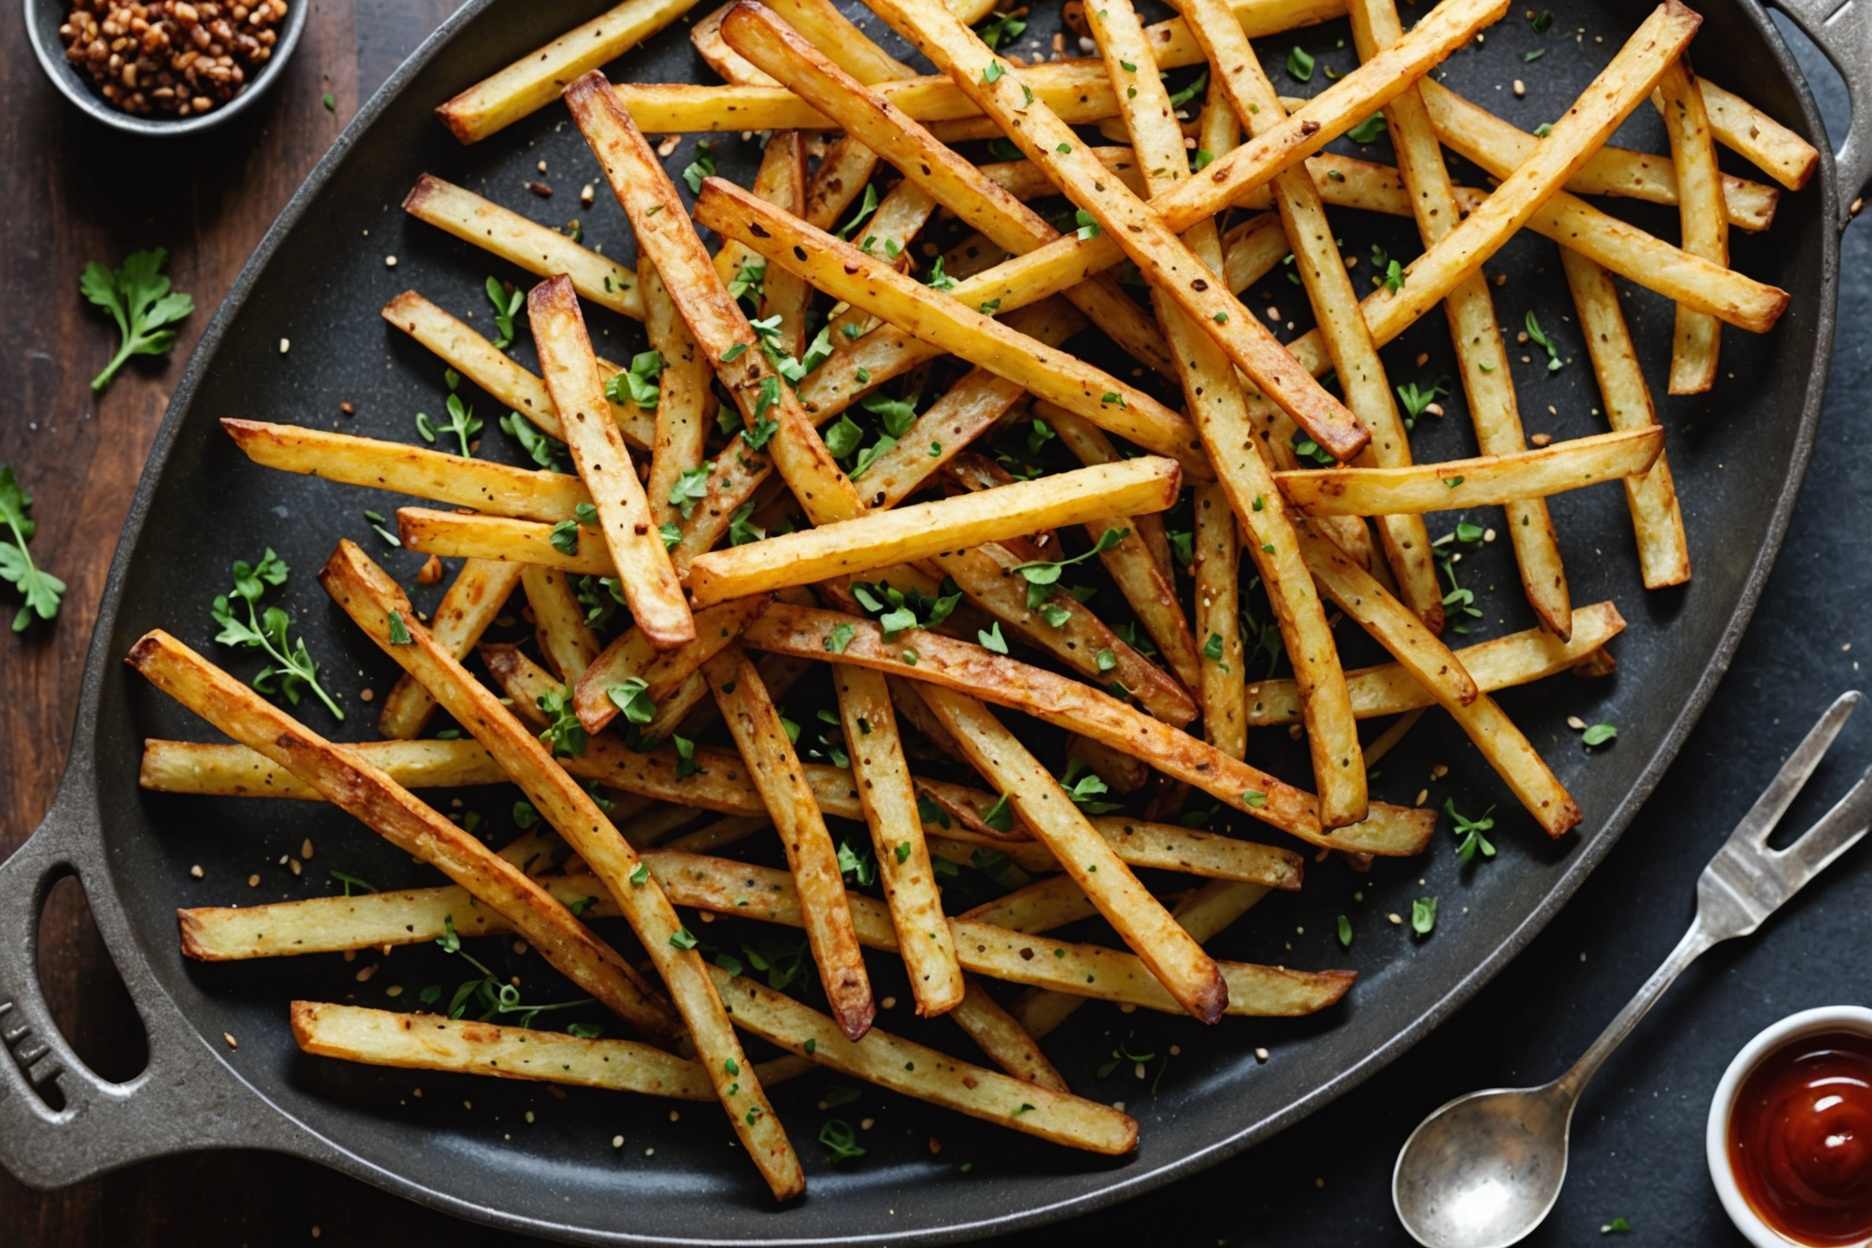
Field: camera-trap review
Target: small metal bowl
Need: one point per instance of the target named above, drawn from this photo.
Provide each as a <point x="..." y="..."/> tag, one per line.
<point x="43" y="18"/>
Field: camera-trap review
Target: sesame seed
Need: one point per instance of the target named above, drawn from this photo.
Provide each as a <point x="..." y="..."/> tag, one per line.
<point x="389" y="262"/>
<point x="1261" y="1055"/>
<point x="232" y="1043"/>
<point x="285" y="345"/>
<point x="196" y="871"/>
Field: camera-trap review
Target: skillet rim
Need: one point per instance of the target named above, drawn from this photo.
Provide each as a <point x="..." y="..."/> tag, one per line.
<point x="76" y="794"/>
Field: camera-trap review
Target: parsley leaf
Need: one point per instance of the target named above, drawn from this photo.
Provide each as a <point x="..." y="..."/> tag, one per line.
<point x="1423" y="915"/>
<point x="632" y="697"/>
<point x="1299" y="64"/>
<point x="1599" y="734"/>
<point x="1047" y="572"/>
<point x="507" y="301"/>
<point x="703" y="166"/>
<point x="138" y="298"/>
<point x="866" y="207"/>
<point x="292" y="669"/>
<point x="1471" y="831"/>
<point x="1367" y="131"/>
<point x="1540" y="339"/>
<point x="541" y="449"/>
<point x="1001" y="27"/>
<point x="837" y="1136"/>
<point x="563" y="734"/>
<point x="638" y="383"/>
<point x="690" y="488"/>
<point x="42" y="590"/>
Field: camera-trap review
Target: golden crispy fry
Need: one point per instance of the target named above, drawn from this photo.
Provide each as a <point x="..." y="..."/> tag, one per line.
<point x="664" y="672"/>
<point x="393" y="813"/>
<point x="1218" y="406"/>
<point x="1459" y="483"/>
<point x="989" y="941"/>
<point x="665" y="234"/>
<point x="454" y="534"/>
<point x="558" y="622"/>
<point x="1471" y="130"/>
<point x="775" y="769"/>
<point x="886" y="792"/>
<point x="1663" y="550"/>
<point x="1697" y="342"/>
<point x="926" y="162"/>
<point x="477" y="359"/>
<point x="931" y="658"/>
<point x="1439" y="670"/>
<point x="1190" y="974"/>
<point x="367" y="595"/>
<point x="535" y="248"/>
<point x="1050" y="143"/>
<point x="432" y="1042"/>
<point x="1323" y="275"/>
<point x="1481" y="353"/>
<point x="436" y="475"/>
<point x="1003" y="1040"/>
<point x="1514" y="659"/>
<point x="1770" y="146"/>
<point x="685" y="400"/>
<point x="1218" y="619"/>
<point x="906" y="534"/>
<point x="722" y="785"/>
<point x="841" y="177"/>
<point x="1145" y="580"/>
<point x="534" y="80"/>
<point x="470" y="604"/>
<point x="623" y="513"/>
<point x="928" y="1075"/>
<point x="949" y="322"/>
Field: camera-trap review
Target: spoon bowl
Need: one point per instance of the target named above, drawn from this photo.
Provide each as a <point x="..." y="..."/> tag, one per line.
<point x="1485" y="1169"/>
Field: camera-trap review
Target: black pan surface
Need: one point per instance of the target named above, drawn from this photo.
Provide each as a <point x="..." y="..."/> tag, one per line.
<point x="518" y="1155"/>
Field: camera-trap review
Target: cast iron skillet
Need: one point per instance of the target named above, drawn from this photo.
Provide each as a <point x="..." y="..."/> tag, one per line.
<point x="317" y="280"/>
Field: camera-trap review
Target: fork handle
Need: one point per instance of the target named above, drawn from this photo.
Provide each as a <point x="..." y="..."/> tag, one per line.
<point x="1691" y="947"/>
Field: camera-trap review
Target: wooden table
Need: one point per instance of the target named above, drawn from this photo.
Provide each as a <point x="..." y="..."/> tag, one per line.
<point x="79" y="192"/>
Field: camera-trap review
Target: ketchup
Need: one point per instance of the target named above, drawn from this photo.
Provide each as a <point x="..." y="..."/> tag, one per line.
<point x="1800" y="1139"/>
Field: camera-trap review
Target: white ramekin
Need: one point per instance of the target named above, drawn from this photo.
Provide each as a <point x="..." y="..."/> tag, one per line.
<point x="1850" y="1018"/>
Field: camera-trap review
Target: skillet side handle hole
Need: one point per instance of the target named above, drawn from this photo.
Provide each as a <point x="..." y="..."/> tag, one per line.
<point x="86" y="997"/>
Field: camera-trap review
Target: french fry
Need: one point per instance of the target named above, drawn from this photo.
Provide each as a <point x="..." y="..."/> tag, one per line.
<point x="722" y="786"/>
<point x="528" y="245"/>
<point x="1145" y="580"/>
<point x="535" y="80"/>
<point x="1471" y="130"/>
<point x="1770" y="146"/>
<point x="458" y="535"/>
<point x="781" y="181"/>
<point x="632" y="656"/>
<point x="1218" y="619"/>
<point x="948" y="322"/>
<point x="1220" y="411"/>
<point x="665" y="233"/>
<point x="1514" y="659"/>
<point x="779" y="49"/>
<point x="470" y="604"/>
<point x="801" y="631"/>
<point x="723" y="886"/>
<point x="685" y="400"/>
<point x="843" y="173"/>
<point x="906" y="534"/>
<point x="1481" y="354"/>
<point x="928" y="1075"/>
<point x="1001" y="1038"/>
<point x="775" y="769"/>
<point x="1657" y="520"/>
<point x="1323" y="275"/>
<point x="436" y="475"/>
<point x="558" y="622"/>
<point x="882" y="779"/>
<point x="1435" y="667"/>
<point x="367" y="595"/>
<point x="1489" y="479"/>
<point x="477" y="359"/>
<point x="1204" y="914"/>
<point x="394" y="814"/>
<point x="1050" y="143"/>
<point x="432" y="1042"/>
<point x="604" y="464"/>
<point x="1696" y="343"/>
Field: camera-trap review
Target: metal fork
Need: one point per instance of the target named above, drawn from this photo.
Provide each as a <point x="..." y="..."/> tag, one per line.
<point x="1485" y="1169"/>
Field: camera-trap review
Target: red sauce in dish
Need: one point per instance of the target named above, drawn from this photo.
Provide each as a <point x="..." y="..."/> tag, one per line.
<point x="1800" y="1139"/>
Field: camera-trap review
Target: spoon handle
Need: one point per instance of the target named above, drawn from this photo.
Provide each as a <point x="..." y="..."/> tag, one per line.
<point x="1694" y="942"/>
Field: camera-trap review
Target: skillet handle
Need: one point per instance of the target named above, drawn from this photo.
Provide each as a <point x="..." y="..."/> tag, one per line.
<point x="186" y="1099"/>
<point x="1842" y="29"/>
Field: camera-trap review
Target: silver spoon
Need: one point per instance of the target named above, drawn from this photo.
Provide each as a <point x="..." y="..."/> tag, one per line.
<point x="1485" y="1169"/>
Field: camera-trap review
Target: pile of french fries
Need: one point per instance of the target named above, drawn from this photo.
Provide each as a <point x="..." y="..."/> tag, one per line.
<point x="929" y="516"/>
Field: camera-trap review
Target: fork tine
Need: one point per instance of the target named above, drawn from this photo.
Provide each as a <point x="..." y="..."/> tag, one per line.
<point x="1836" y="832"/>
<point x="1768" y="809"/>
